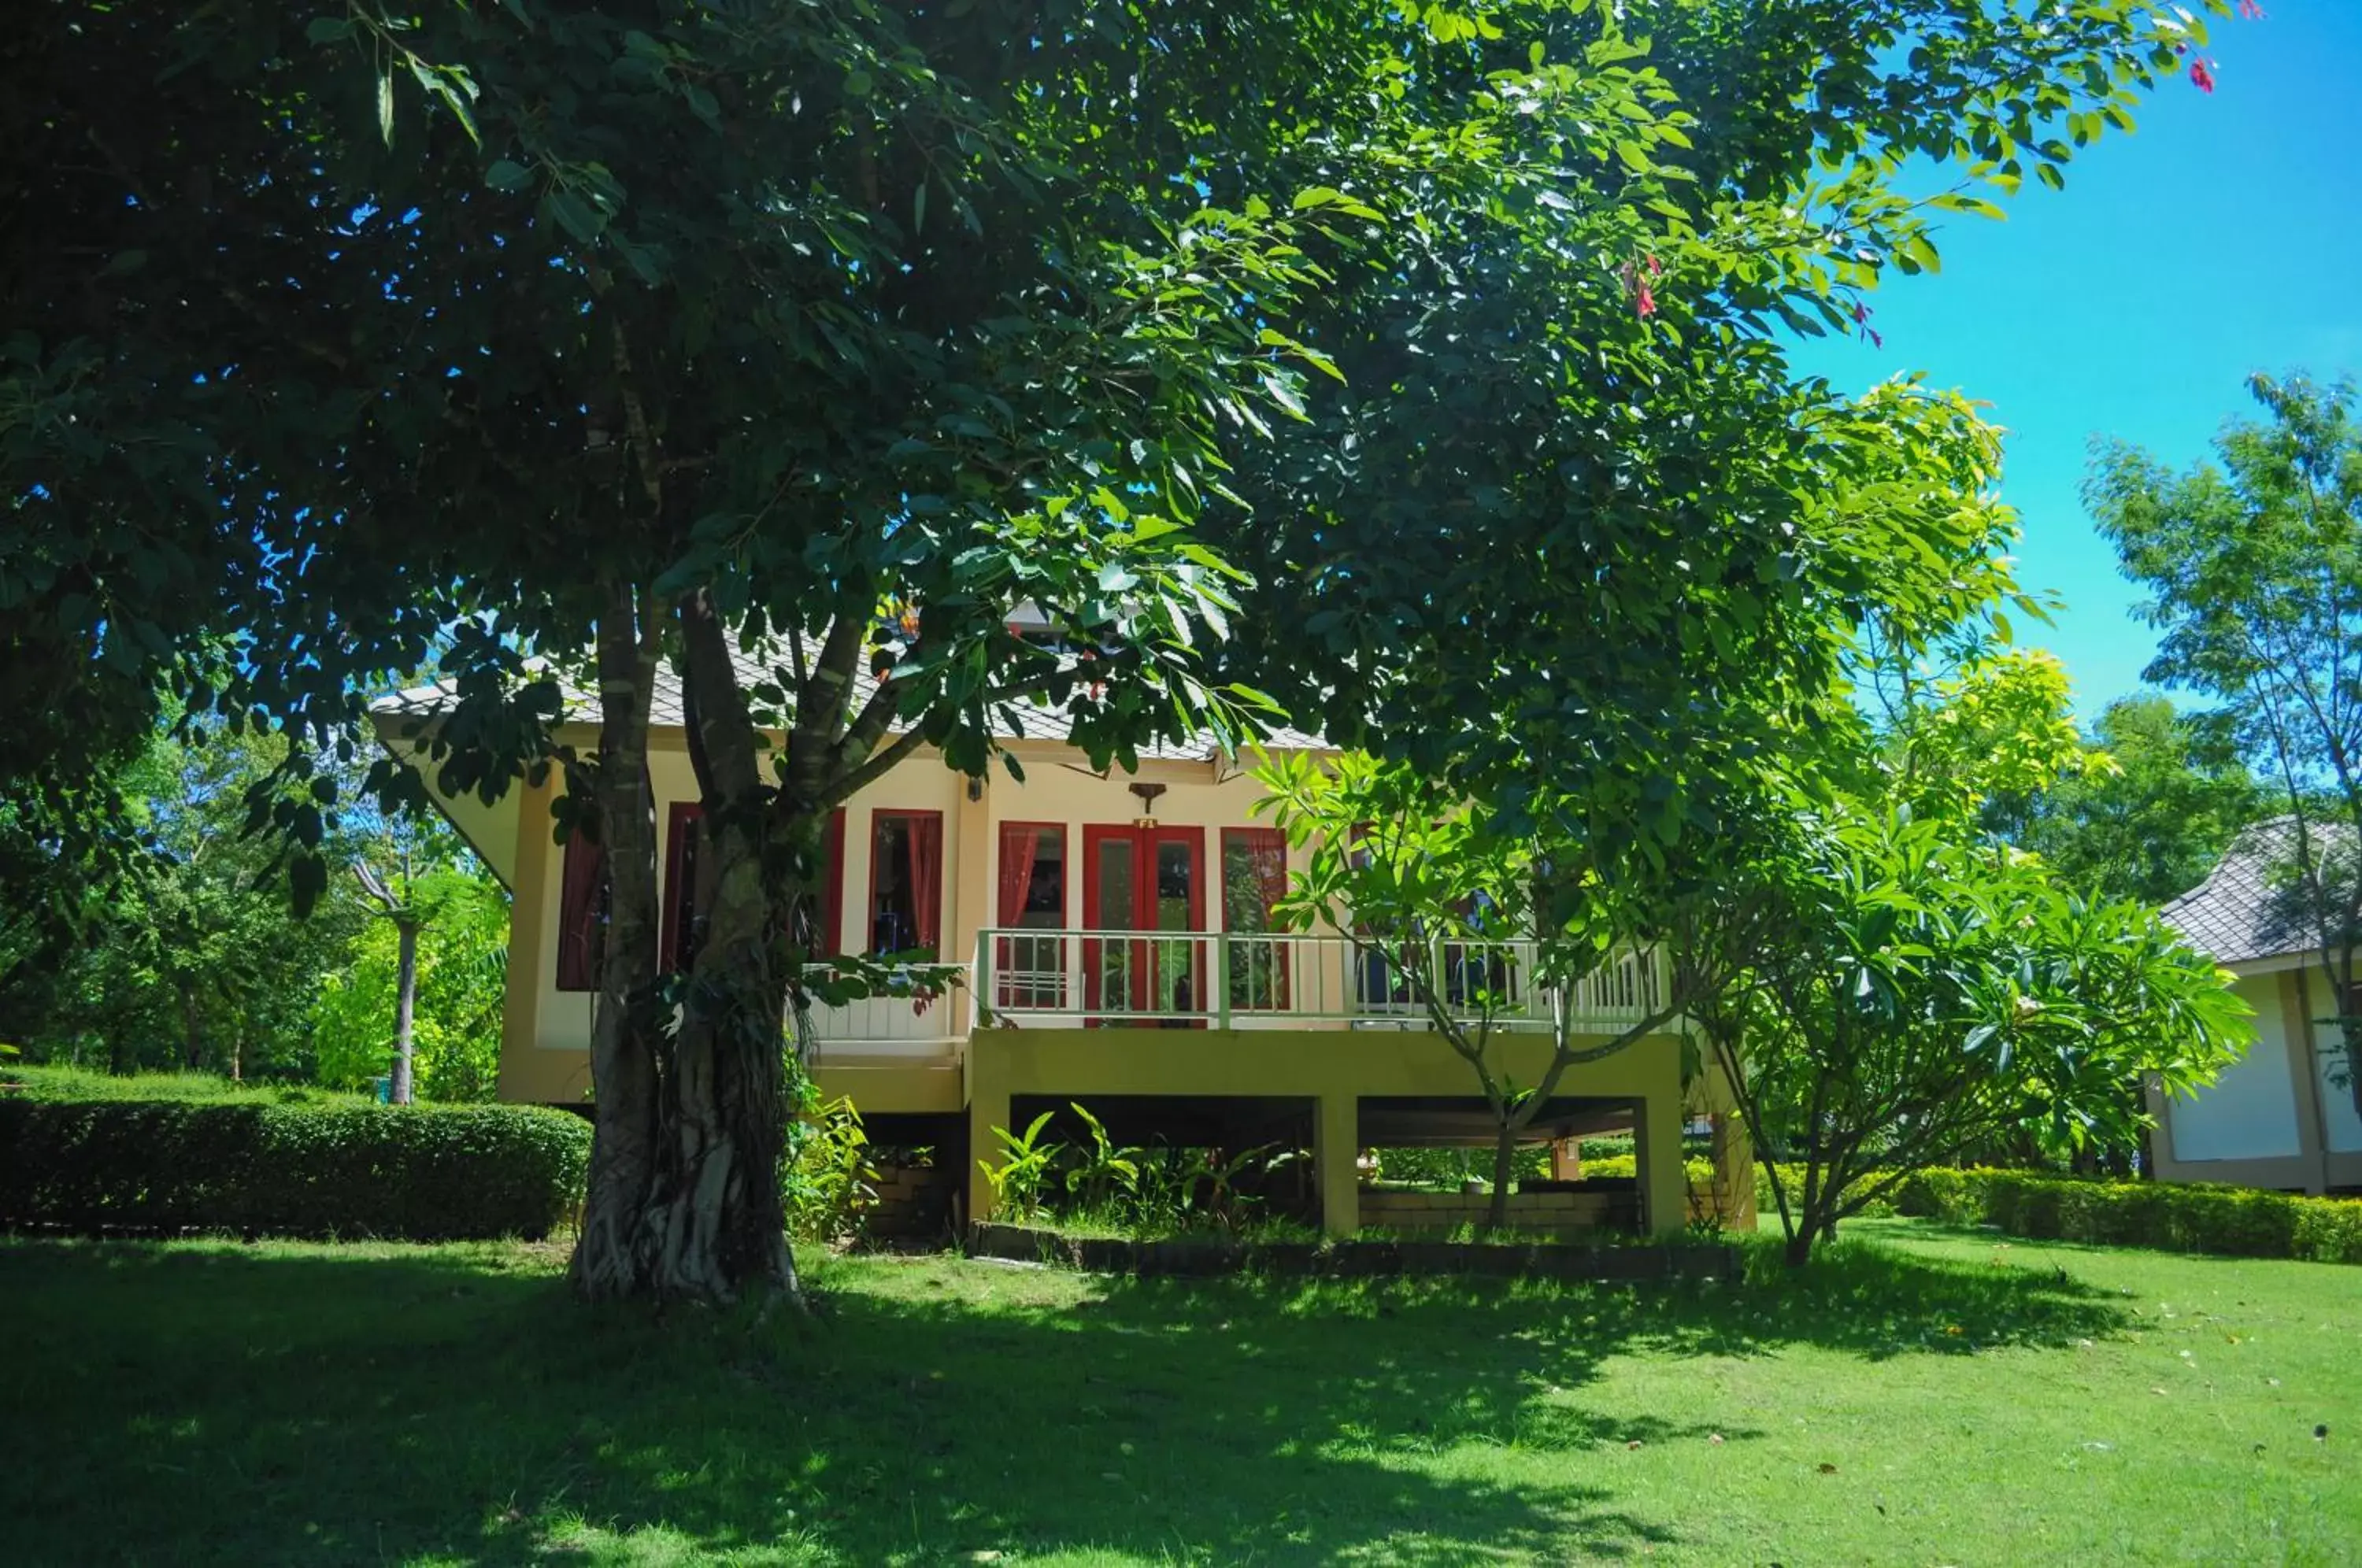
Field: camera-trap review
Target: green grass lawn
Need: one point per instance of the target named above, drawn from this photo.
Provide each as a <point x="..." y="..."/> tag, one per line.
<point x="1921" y="1398"/>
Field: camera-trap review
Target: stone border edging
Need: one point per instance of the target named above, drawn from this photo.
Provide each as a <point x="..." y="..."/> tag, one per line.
<point x="1205" y="1257"/>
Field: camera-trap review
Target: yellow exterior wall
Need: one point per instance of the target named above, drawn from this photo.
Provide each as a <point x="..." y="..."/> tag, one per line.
<point x="547" y="1032"/>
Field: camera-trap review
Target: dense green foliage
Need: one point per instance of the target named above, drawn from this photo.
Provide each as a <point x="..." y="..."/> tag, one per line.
<point x="185" y="951"/>
<point x="2195" y="1217"/>
<point x="2151" y="822"/>
<point x="415" y="1172"/>
<point x="1918" y="1398"/>
<point x="462" y="983"/>
<point x="1886" y="986"/>
<point x="2253" y="568"/>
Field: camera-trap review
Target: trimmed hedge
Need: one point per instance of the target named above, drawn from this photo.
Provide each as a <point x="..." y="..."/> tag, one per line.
<point x="413" y="1173"/>
<point x="2191" y="1217"/>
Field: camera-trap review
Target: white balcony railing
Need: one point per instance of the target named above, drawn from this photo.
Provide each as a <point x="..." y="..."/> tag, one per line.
<point x="892" y="1026"/>
<point x="1184" y="978"/>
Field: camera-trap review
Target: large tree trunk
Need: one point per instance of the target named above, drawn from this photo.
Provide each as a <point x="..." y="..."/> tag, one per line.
<point x="684" y="1200"/>
<point x="612" y="1259"/>
<point x="716" y="1206"/>
<point x="405" y="1004"/>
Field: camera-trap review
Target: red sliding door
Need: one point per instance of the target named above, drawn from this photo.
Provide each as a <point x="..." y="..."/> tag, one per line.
<point x="1151" y="880"/>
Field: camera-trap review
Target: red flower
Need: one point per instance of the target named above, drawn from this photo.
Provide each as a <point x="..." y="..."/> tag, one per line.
<point x="1646" y="304"/>
<point x="2250" y="11"/>
<point x="2200" y="76"/>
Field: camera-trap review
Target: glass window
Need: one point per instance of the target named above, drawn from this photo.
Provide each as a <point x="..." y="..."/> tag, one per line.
<point x="906" y="881"/>
<point x="1255" y="877"/>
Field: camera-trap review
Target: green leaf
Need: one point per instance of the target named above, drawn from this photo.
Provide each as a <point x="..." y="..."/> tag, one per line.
<point x="328" y="30"/>
<point x="506" y="176"/>
<point x="859" y="84"/>
<point x="577" y="216"/>
<point x="385" y="105"/>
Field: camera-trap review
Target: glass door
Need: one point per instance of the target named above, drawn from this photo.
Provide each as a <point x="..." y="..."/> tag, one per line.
<point x="1150" y="880"/>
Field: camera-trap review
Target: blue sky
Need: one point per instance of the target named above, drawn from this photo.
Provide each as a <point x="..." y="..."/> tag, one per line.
<point x="2224" y="236"/>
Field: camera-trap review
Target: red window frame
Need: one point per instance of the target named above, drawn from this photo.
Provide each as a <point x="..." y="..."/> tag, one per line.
<point x="832" y="889"/>
<point x="1000" y="848"/>
<point x="869" y="905"/>
<point x="1031" y="992"/>
<point x="678" y="899"/>
<point x="1253" y="839"/>
<point x="581" y="943"/>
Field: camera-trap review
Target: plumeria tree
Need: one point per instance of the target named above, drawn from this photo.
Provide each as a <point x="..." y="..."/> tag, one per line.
<point x="1486" y="926"/>
<point x="1897" y="992"/>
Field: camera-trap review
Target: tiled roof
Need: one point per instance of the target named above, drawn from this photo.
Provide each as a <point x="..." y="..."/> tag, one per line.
<point x="2242" y="910"/>
<point x="664" y="711"/>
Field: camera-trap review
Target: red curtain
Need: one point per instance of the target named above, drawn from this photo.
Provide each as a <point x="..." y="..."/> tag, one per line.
<point x="1269" y="848"/>
<point x="581" y="911"/>
<point x="1019" y="843"/>
<point x="926" y="841"/>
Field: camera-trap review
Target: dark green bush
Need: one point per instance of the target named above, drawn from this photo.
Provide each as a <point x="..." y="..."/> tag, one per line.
<point x="2183" y="1217"/>
<point x="416" y="1173"/>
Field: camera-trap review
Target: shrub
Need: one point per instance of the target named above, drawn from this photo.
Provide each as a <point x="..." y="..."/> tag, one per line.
<point x="22" y="1081"/>
<point x="1448" y="1167"/>
<point x="830" y="1175"/>
<point x="2183" y="1217"/>
<point x="413" y="1173"/>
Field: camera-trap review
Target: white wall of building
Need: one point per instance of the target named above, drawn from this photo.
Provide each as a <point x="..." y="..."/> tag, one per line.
<point x="2340" y="1122"/>
<point x="2250" y="1111"/>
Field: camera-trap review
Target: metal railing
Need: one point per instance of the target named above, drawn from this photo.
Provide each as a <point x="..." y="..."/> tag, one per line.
<point x="1241" y="980"/>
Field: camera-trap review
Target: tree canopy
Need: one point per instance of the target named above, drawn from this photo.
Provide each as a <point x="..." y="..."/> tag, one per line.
<point x="792" y="344"/>
<point x="2254" y="565"/>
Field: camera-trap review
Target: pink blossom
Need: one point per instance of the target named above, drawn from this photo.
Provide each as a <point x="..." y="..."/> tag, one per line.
<point x="2250" y="11"/>
<point x="2201" y="76"/>
<point x="1646" y="303"/>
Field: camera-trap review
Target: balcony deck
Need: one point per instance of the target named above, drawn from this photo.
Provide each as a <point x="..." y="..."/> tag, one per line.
<point x="1031" y="979"/>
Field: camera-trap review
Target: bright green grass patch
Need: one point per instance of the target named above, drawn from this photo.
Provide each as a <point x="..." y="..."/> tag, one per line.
<point x="66" y="1083"/>
<point x="1922" y="1398"/>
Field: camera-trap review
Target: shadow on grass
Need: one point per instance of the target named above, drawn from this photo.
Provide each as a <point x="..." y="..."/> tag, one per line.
<point x="261" y="1405"/>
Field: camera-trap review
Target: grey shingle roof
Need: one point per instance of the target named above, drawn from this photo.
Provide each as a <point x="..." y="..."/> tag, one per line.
<point x="664" y="711"/>
<point x="2242" y="911"/>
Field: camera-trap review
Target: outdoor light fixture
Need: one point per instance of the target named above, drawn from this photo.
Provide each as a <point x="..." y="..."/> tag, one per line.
<point x="1147" y="793"/>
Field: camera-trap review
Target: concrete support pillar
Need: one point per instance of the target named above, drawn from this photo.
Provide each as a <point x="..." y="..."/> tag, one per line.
<point x="987" y="1108"/>
<point x="1657" y="1147"/>
<point x="2305" y="1044"/>
<point x="1336" y="1146"/>
<point x="1566" y="1160"/>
